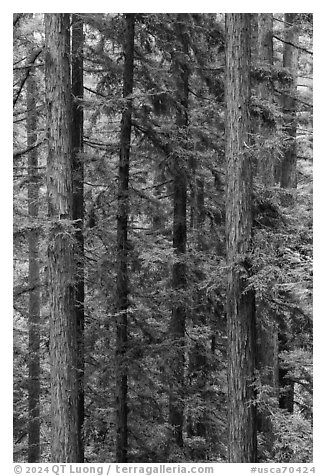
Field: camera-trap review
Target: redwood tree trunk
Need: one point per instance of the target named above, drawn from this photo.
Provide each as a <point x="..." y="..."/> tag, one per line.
<point x="61" y="250"/>
<point x="289" y="175"/>
<point x="265" y="57"/>
<point x="78" y="206"/>
<point x="290" y="61"/>
<point x="267" y="345"/>
<point x="122" y="290"/>
<point x="240" y="303"/>
<point x="34" y="281"/>
<point x="178" y="317"/>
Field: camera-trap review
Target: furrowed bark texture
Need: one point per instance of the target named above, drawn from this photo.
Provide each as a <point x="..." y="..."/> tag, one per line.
<point x="240" y="303"/>
<point x="34" y="281"/>
<point x="179" y="281"/>
<point x="61" y="249"/>
<point x="78" y="206"/>
<point x="122" y="291"/>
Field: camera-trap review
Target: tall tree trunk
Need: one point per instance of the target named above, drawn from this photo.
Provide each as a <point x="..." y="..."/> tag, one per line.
<point x="265" y="57"/>
<point x="158" y="218"/>
<point x="289" y="174"/>
<point x="198" y="367"/>
<point x="122" y="291"/>
<point x="178" y="317"/>
<point x="78" y="206"/>
<point x="267" y="344"/>
<point x="290" y="61"/>
<point x="240" y="303"/>
<point x="254" y="54"/>
<point x="61" y="249"/>
<point x="34" y="280"/>
<point x="286" y="384"/>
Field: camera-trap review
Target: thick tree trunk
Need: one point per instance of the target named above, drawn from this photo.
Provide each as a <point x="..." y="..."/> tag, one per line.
<point x="34" y="281"/>
<point x="61" y="249"/>
<point x="78" y="206"/>
<point x="122" y="291"/>
<point x="179" y="281"/>
<point x="240" y="303"/>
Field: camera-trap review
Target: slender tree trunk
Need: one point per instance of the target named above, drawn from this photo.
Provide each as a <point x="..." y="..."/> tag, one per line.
<point x="158" y="219"/>
<point x="286" y="393"/>
<point x="179" y="281"/>
<point x="122" y="291"/>
<point x="34" y="280"/>
<point x="78" y="206"/>
<point x="201" y="350"/>
<point x="198" y="367"/>
<point x="267" y="366"/>
<point x="61" y="249"/>
<point x="267" y="345"/>
<point x="289" y="175"/>
<point x="265" y="131"/>
<point x="240" y="303"/>
<point x="290" y="61"/>
<point x="254" y="54"/>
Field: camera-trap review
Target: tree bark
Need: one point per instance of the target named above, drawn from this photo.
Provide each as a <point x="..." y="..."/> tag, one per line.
<point x="198" y="365"/>
<point x="254" y="54"/>
<point x="289" y="174"/>
<point x="290" y="61"/>
<point x="78" y="206"/>
<point x="34" y="280"/>
<point x="267" y="345"/>
<point x="265" y="131"/>
<point x="240" y="302"/>
<point x="61" y="249"/>
<point x="122" y="291"/>
<point x="179" y="281"/>
<point x="286" y="391"/>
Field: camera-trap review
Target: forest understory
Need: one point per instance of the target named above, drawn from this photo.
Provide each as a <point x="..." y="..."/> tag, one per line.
<point x="162" y="177"/>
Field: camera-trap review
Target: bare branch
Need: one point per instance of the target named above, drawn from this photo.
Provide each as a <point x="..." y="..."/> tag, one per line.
<point x="292" y="44"/>
<point x="282" y="21"/>
<point x="18" y="153"/>
<point x="293" y="97"/>
<point x="19" y="68"/>
<point x="21" y="289"/>
<point x="35" y="54"/>
<point x="95" y="92"/>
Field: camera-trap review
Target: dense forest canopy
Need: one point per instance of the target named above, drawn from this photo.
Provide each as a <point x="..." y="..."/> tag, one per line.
<point x="162" y="237"/>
